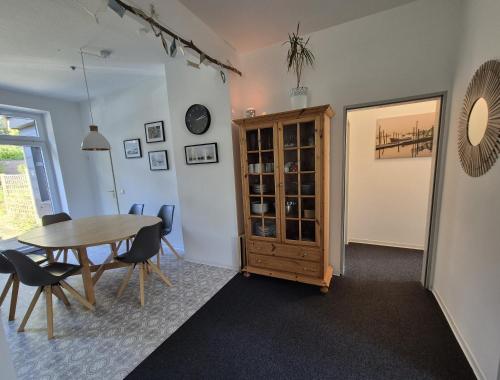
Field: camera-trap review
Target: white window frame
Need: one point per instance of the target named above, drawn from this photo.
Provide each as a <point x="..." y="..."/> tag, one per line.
<point x="42" y="142"/>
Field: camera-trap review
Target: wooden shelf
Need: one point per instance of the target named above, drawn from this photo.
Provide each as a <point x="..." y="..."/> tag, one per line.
<point x="258" y="174"/>
<point x="291" y="148"/>
<point x="301" y="219"/>
<point x="307" y="147"/>
<point x="266" y="216"/>
<point x="263" y="195"/>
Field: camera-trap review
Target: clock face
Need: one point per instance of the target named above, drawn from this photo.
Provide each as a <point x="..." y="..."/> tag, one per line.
<point x="197" y="119"/>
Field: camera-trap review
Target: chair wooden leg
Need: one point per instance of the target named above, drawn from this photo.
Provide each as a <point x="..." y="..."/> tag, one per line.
<point x="161" y="248"/>
<point x="65" y="259"/>
<point x="125" y="281"/>
<point x="100" y="270"/>
<point x="171" y="247"/>
<point x="157" y="270"/>
<point x="50" y="312"/>
<point x="30" y="309"/>
<point x="128" y="245"/>
<point x="141" y="283"/>
<point x="158" y="260"/>
<point x="6" y="288"/>
<point x="77" y="295"/>
<point x="13" y="297"/>
<point x="119" y="245"/>
<point x="60" y="294"/>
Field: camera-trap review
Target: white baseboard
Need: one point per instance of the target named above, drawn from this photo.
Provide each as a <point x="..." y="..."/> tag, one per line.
<point x="458" y="335"/>
<point x="386" y="243"/>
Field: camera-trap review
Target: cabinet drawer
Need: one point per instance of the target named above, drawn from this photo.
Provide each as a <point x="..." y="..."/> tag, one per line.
<point x="294" y="252"/>
<point x="284" y="250"/>
<point x="286" y="265"/>
<point x="261" y="247"/>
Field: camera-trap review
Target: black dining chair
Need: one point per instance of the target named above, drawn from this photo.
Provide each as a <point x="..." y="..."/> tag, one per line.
<point x="136" y="209"/>
<point x="47" y="220"/>
<point x="13" y="280"/>
<point x="145" y="245"/>
<point x="166" y="214"/>
<point x="50" y="279"/>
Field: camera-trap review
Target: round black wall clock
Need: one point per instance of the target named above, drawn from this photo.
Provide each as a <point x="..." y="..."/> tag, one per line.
<point x="197" y="119"/>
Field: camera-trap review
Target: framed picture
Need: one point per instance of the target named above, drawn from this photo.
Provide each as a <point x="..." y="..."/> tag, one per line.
<point x="201" y="154"/>
<point x="154" y="132"/>
<point x="132" y="148"/>
<point x="158" y="160"/>
<point x="409" y="136"/>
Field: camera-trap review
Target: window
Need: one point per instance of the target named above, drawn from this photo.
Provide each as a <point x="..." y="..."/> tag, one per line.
<point x="27" y="184"/>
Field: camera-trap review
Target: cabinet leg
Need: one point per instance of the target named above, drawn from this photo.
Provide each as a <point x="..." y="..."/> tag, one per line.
<point x="246" y="274"/>
<point x="324" y="289"/>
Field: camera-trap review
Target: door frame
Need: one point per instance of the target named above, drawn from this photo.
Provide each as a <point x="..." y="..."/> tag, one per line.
<point x="438" y="164"/>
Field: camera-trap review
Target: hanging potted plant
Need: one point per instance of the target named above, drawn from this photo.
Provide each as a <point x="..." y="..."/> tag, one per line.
<point x="299" y="55"/>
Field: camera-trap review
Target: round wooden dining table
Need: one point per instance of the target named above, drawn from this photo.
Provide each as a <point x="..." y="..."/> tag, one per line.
<point x="79" y="234"/>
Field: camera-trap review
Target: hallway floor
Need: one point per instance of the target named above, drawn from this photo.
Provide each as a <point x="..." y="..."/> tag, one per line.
<point x="377" y="322"/>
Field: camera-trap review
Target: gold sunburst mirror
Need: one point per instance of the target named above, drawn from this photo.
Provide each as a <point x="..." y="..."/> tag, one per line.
<point x="479" y="126"/>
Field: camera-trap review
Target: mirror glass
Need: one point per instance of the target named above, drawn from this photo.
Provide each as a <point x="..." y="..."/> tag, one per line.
<point x="478" y="121"/>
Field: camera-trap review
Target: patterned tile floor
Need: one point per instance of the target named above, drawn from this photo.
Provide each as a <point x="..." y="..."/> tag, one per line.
<point x="112" y="341"/>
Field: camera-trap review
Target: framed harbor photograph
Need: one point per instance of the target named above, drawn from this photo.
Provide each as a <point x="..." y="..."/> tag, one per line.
<point x="201" y="154"/>
<point x="408" y="136"/>
<point x="158" y="160"/>
<point x="154" y="132"/>
<point x="132" y="148"/>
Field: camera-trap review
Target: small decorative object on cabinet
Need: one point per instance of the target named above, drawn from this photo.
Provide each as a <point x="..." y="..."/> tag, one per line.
<point x="285" y="169"/>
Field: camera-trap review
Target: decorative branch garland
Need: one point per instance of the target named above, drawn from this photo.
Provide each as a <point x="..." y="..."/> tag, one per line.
<point x="159" y="29"/>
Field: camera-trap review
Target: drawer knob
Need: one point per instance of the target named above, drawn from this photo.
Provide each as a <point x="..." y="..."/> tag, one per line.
<point x="259" y="260"/>
<point x="304" y="254"/>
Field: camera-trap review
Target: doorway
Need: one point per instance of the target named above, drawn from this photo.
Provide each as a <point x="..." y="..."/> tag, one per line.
<point x="27" y="185"/>
<point x="390" y="177"/>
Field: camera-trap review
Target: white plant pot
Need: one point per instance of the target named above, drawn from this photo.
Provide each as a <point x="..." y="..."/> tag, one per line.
<point x="298" y="97"/>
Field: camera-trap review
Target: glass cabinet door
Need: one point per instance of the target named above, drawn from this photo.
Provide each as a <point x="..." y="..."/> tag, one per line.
<point x="300" y="152"/>
<point x="262" y="183"/>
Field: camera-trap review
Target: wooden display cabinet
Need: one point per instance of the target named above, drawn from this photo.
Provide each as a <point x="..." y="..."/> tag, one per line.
<point x="285" y="166"/>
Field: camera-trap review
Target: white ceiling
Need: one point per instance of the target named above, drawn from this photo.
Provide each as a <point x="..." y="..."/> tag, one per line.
<point x="251" y="24"/>
<point x="41" y="40"/>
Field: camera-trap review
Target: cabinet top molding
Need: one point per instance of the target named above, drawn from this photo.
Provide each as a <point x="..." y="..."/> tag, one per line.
<point x="293" y="114"/>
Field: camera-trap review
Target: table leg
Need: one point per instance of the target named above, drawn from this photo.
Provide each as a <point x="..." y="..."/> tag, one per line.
<point x="50" y="255"/>
<point x="86" y="275"/>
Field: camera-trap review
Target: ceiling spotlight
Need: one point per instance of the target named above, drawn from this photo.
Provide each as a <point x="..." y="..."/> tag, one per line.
<point x="117" y="8"/>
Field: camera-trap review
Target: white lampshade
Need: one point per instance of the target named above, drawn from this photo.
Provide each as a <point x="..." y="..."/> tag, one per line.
<point x="95" y="141"/>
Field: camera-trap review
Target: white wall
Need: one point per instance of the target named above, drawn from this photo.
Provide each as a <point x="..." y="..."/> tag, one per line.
<point x="65" y="137"/>
<point x="121" y="116"/>
<point x="207" y="192"/>
<point x="405" y="51"/>
<point x="387" y="198"/>
<point x="467" y="272"/>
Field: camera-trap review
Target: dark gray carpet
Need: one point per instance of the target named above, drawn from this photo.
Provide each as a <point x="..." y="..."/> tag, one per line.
<point x="376" y="322"/>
